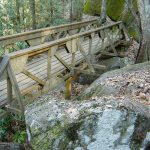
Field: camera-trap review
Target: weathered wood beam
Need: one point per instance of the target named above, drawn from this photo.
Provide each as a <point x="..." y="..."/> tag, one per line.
<point x="9" y="91"/>
<point x="3" y="65"/>
<point x="109" y="54"/>
<point x="16" y="88"/>
<point x="13" y="110"/>
<point x="85" y="56"/>
<point x="62" y="61"/>
<point x="90" y="48"/>
<point x="125" y="31"/>
<point x="100" y="67"/>
<point x="35" y="78"/>
<point x="68" y="88"/>
<point x="88" y="72"/>
<point x="73" y="60"/>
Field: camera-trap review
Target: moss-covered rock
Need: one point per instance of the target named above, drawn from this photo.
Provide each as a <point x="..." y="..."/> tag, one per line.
<point x="115" y="10"/>
<point x="93" y="7"/>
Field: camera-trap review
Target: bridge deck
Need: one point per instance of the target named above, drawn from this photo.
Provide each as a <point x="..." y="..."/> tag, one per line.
<point x="38" y="66"/>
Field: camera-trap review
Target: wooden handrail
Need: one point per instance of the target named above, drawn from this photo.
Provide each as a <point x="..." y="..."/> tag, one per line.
<point x="29" y="35"/>
<point x="45" y="47"/>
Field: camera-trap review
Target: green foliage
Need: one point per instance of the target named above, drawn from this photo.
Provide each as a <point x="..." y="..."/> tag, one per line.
<point x="4" y="125"/>
<point x="12" y="130"/>
<point x="77" y="10"/>
<point x="115" y="9"/>
<point x="15" y="19"/>
<point x="92" y="7"/>
<point x="19" y="137"/>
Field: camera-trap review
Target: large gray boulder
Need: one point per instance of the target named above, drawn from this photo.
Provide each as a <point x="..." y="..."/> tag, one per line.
<point x="104" y="121"/>
<point x="101" y="123"/>
<point x="129" y="80"/>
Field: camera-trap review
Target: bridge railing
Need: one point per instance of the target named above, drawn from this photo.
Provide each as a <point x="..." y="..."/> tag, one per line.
<point x="110" y="35"/>
<point x="36" y="37"/>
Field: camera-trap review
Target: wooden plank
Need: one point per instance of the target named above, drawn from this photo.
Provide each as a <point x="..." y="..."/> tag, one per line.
<point x="87" y="72"/>
<point x="13" y="110"/>
<point x="35" y="78"/>
<point x="100" y="67"/>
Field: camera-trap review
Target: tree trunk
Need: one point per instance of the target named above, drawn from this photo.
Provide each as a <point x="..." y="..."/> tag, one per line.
<point x="32" y="9"/>
<point x="51" y="12"/>
<point x="18" y="11"/>
<point x="103" y="11"/>
<point x="144" y="51"/>
<point x="71" y="10"/>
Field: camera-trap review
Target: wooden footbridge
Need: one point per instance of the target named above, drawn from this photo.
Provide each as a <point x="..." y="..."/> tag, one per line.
<point x="50" y="56"/>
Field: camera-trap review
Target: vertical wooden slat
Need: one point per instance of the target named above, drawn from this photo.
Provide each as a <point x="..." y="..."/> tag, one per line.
<point x="90" y="48"/>
<point x="103" y="38"/>
<point x="73" y="60"/>
<point x="49" y="62"/>
<point x="51" y="53"/>
<point x="9" y="91"/>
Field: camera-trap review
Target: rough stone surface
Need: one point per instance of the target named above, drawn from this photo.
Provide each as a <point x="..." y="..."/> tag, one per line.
<point x="133" y="80"/>
<point x="116" y="63"/>
<point x="104" y="121"/>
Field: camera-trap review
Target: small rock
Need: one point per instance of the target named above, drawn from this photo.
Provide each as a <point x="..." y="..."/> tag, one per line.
<point x="142" y="95"/>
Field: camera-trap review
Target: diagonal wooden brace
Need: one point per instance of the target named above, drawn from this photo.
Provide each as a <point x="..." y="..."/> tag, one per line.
<point x="62" y="61"/>
<point x="35" y="78"/>
<point x="85" y="56"/>
<point x="16" y="88"/>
